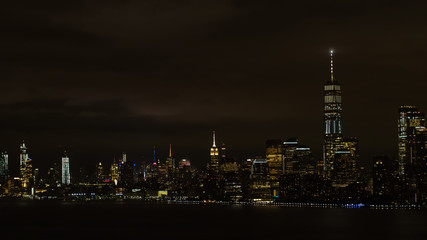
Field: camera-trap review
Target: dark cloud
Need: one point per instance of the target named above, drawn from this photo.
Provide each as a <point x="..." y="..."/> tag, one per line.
<point x="104" y="77"/>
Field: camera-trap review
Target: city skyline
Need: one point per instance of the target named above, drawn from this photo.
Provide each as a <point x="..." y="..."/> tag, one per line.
<point x="251" y="71"/>
<point x="329" y="127"/>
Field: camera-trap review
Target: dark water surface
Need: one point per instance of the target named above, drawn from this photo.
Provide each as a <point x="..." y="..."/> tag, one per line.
<point x="135" y="220"/>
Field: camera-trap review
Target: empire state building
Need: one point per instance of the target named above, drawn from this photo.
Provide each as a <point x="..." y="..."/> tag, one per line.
<point x="333" y="137"/>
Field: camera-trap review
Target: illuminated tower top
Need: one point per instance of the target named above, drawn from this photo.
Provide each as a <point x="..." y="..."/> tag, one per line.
<point x="214" y="149"/>
<point x="170" y="150"/>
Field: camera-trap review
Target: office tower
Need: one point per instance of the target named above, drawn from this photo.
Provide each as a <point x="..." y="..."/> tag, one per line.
<point x="170" y="161"/>
<point x="289" y="149"/>
<point x="298" y="158"/>
<point x="99" y="173"/>
<point x="27" y="179"/>
<point x="411" y="121"/>
<point x="274" y="157"/>
<point x="23" y="156"/>
<point x="124" y="158"/>
<point x="127" y="174"/>
<point x="214" y="161"/>
<point x="260" y="181"/>
<point x="66" y="179"/>
<point x="115" y="172"/>
<point x="303" y="161"/>
<point x="343" y="170"/>
<point x="332" y="120"/>
<point x="245" y="178"/>
<point x="54" y="176"/>
<point x="230" y="184"/>
<point x="4" y="167"/>
<point x="381" y="173"/>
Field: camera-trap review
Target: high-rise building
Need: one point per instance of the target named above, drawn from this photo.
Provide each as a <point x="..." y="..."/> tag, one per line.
<point x="230" y="183"/>
<point x="66" y="179"/>
<point x="27" y="179"/>
<point x="260" y="181"/>
<point x="214" y="161"/>
<point x="99" y="173"/>
<point x="411" y="121"/>
<point x="23" y="157"/>
<point x="332" y="120"/>
<point x="289" y="149"/>
<point x="170" y="167"/>
<point x="381" y="177"/>
<point x="4" y="166"/>
<point x="343" y="170"/>
<point x="115" y="172"/>
<point x="274" y="157"/>
<point x="124" y="158"/>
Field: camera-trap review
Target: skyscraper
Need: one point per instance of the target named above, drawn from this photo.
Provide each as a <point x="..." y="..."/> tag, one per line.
<point x="332" y="120"/>
<point x="170" y="165"/>
<point x="274" y="157"/>
<point x="4" y="166"/>
<point x="411" y="122"/>
<point x="66" y="179"/>
<point x="23" y="157"/>
<point x="214" y="162"/>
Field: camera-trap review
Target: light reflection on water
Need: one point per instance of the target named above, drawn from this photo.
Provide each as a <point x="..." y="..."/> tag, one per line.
<point x="124" y="219"/>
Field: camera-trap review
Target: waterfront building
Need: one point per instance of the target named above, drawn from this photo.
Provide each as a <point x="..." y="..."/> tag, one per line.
<point x="66" y="178"/>
<point x="381" y="174"/>
<point x="230" y="184"/>
<point x="260" y="181"/>
<point x="410" y="123"/>
<point x="274" y="157"/>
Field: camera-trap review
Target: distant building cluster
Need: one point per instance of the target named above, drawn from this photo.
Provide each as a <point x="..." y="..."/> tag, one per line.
<point x="288" y="172"/>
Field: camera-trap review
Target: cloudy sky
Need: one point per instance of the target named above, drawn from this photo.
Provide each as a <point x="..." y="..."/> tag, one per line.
<point x="102" y="77"/>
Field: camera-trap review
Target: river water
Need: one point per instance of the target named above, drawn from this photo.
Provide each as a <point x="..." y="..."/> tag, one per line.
<point x="135" y="220"/>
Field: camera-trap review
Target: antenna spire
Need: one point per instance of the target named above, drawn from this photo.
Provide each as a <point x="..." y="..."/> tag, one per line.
<point x="154" y="154"/>
<point x="332" y="65"/>
<point x="170" y="150"/>
<point x="214" y="145"/>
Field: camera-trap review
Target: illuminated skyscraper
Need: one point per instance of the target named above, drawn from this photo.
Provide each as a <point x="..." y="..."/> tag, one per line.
<point x="66" y="179"/>
<point x="4" y="166"/>
<point x="230" y="182"/>
<point x="289" y="149"/>
<point x="260" y="181"/>
<point x="411" y="121"/>
<point x="274" y="157"/>
<point x="27" y="180"/>
<point x="115" y="172"/>
<point x="170" y="165"/>
<point x="214" y="163"/>
<point x="333" y="121"/>
<point x="99" y="173"/>
<point x="23" y="157"/>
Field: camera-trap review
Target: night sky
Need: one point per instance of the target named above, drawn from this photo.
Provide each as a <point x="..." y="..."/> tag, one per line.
<point x="102" y="78"/>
